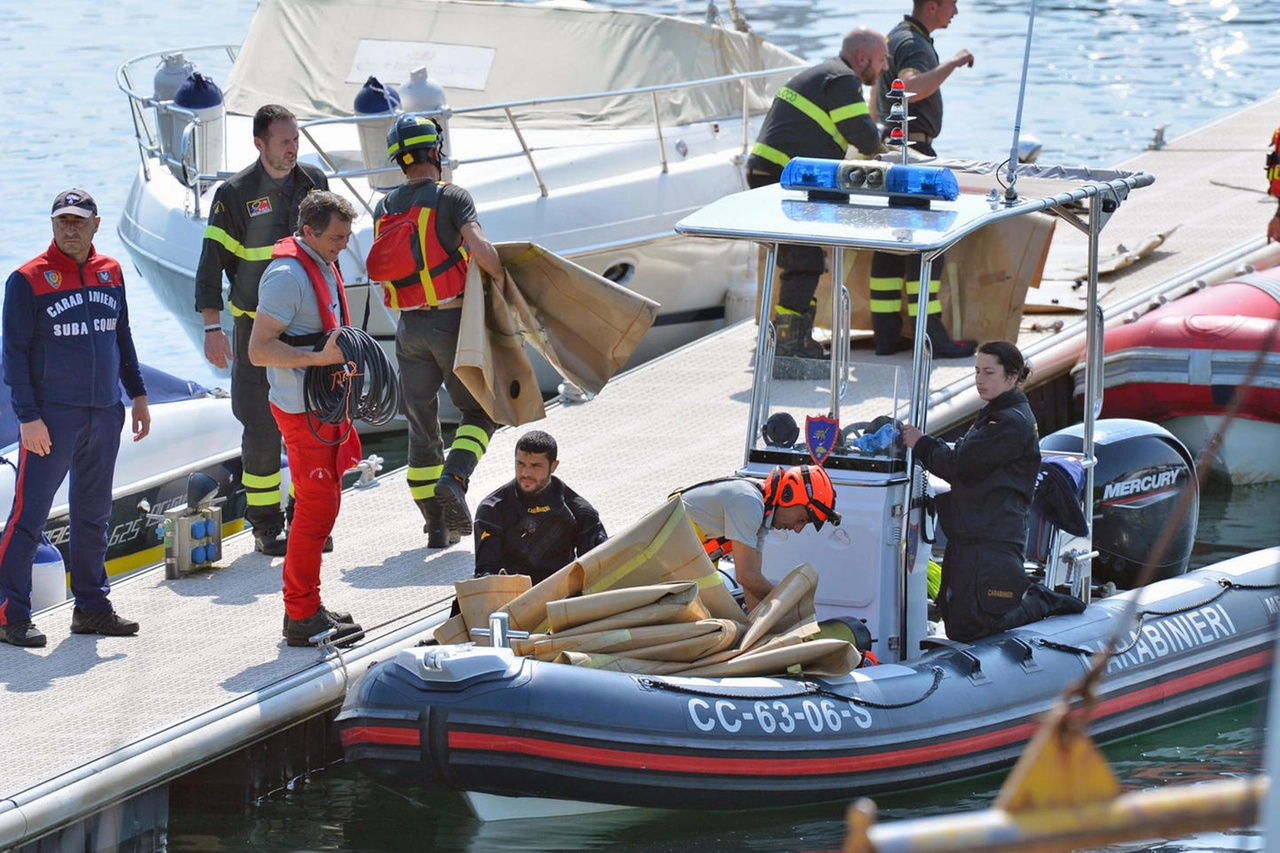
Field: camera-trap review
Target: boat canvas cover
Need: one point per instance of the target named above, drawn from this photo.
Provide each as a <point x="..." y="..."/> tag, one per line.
<point x="313" y="56"/>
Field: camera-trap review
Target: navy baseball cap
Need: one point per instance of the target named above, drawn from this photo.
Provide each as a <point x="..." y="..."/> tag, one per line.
<point x="75" y="202"/>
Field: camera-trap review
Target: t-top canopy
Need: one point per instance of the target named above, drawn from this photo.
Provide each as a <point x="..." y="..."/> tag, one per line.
<point x="313" y="56"/>
<point x="775" y="215"/>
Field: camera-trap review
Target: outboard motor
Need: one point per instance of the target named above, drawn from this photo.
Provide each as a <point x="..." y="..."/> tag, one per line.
<point x="375" y="99"/>
<point x="202" y="96"/>
<point x="1142" y="472"/>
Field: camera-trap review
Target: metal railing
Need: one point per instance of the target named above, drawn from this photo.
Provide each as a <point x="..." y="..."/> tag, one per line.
<point x="193" y="173"/>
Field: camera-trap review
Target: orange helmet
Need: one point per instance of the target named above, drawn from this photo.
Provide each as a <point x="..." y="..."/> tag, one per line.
<point x="803" y="485"/>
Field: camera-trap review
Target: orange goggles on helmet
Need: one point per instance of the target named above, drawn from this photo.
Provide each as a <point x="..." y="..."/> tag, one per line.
<point x="803" y="485"/>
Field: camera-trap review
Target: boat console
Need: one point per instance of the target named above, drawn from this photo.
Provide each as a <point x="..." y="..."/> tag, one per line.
<point x="845" y="413"/>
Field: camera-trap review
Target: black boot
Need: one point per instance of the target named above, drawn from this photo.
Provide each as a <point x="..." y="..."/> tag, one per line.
<point x="886" y="330"/>
<point x="433" y="517"/>
<point x="795" y="337"/>
<point x="943" y="346"/>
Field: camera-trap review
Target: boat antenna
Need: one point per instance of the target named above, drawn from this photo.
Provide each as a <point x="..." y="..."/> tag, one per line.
<point x="1011" y="192"/>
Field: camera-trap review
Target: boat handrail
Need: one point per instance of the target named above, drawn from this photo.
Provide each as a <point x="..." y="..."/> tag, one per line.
<point x="196" y="176"/>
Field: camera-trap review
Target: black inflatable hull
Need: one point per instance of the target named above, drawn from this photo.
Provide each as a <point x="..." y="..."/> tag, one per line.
<point x="480" y="720"/>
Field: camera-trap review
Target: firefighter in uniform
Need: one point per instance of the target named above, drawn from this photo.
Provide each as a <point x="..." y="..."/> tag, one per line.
<point x="67" y="349"/>
<point x="731" y="516"/>
<point x="251" y="212"/>
<point x="912" y="58"/>
<point x="535" y="525"/>
<point x="819" y="113"/>
<point x="426" y="233"/>
<point x="992" y="471"/>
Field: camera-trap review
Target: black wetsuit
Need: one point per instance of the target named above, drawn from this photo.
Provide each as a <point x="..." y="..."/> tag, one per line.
<point x="992" y="470"/>
<point x="536" y="535"/>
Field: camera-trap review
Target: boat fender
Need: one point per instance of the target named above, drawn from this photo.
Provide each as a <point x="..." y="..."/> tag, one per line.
<point x="199" y="94"/>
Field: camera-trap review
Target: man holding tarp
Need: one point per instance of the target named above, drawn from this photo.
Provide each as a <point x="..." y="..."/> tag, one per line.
<point x="426" y="233"/>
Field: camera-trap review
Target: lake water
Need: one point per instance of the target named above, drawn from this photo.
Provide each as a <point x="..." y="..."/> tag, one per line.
<point x="1104" y="75"/>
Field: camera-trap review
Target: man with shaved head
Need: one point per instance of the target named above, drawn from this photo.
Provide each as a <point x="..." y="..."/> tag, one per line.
<point x="820" y="112"/>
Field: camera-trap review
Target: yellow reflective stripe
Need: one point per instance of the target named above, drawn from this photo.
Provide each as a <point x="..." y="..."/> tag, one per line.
<point x="427" y="472"/>
<point x="235" y="247"/>
<point x="271" y="498"/>
<point x="849" y="111"/>
<point x="237" y="311"/>
<point x="934" y="306"/>
<point x="424" y="225"/>
<point x="421" y="493"/>
<point x="261" y="481"/>
<point x="885" y="306"/>
<point x="785" y="312"/>
<point x="768" y="152"/>
<point x="460" y="443"/>
<point x="913" y="287"/>
<point x="474" y="432"/>
<point x="814" y="112"/>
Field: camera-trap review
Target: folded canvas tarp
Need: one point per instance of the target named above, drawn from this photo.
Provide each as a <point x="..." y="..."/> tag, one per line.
<point x="313" y="56"/>
<point x="650" y="601"/>
<point x="584" y="325"/>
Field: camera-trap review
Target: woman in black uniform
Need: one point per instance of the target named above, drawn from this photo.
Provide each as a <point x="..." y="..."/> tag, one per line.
<point x="992" y="471"/>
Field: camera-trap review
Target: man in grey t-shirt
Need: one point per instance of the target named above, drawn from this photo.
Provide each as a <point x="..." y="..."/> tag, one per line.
<point x="732" y="515"/>
<point x="300" y="300"/>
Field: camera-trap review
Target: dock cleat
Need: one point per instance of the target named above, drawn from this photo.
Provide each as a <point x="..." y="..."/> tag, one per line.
<point x="108" y="624"/>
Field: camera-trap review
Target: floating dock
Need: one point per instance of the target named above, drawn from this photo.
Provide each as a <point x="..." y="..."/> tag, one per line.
<point x="103" y="725"/>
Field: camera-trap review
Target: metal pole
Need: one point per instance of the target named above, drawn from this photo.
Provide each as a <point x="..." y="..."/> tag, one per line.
<point x="1011" y="194"/>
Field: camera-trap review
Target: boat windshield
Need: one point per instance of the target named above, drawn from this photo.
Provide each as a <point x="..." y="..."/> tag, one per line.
<point x="798" y="425"/>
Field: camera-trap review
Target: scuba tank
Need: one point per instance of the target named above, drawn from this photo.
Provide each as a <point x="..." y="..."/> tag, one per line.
<point x="375" y="99"/>
<point x="202" y="96"/>
<point x="173" y="71"/>
<point x="422" y="94"/>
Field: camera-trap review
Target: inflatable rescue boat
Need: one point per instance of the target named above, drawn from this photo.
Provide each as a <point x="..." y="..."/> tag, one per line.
<point x="493" y="720"/>
<point x="1182" y="363"/>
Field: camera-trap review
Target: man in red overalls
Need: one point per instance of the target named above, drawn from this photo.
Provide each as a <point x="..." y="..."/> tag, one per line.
<point x="301" y="300"/>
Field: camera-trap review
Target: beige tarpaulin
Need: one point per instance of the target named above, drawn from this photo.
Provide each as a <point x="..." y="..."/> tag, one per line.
<point x="649" y="600"/>
<point x="312" y="56"/>
<point x="584" y="325"/>
<point x="984" y="280"/>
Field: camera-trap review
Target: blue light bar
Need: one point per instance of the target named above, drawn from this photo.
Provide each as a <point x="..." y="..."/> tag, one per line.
<point x="906" y="183"/>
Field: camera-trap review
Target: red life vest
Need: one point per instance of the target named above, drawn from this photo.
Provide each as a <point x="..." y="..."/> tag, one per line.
<point x="408" y="259"/>
<point x="1273" y="164"/>
<point x="289" y="248"/>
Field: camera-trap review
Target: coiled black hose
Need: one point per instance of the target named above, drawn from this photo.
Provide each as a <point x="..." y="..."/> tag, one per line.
<point x="363" y="387"/>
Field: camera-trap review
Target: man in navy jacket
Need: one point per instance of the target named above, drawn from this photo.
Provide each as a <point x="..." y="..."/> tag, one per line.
<point x="67" y="346"/>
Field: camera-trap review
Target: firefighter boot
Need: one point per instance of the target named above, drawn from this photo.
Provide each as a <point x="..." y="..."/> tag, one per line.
<point x="795" y="336"/>
<point x="886" y="330"/>
<point x="943" y="346"/>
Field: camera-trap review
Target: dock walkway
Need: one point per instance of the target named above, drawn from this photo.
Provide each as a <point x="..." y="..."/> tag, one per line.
<point x="95" y="720"/>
